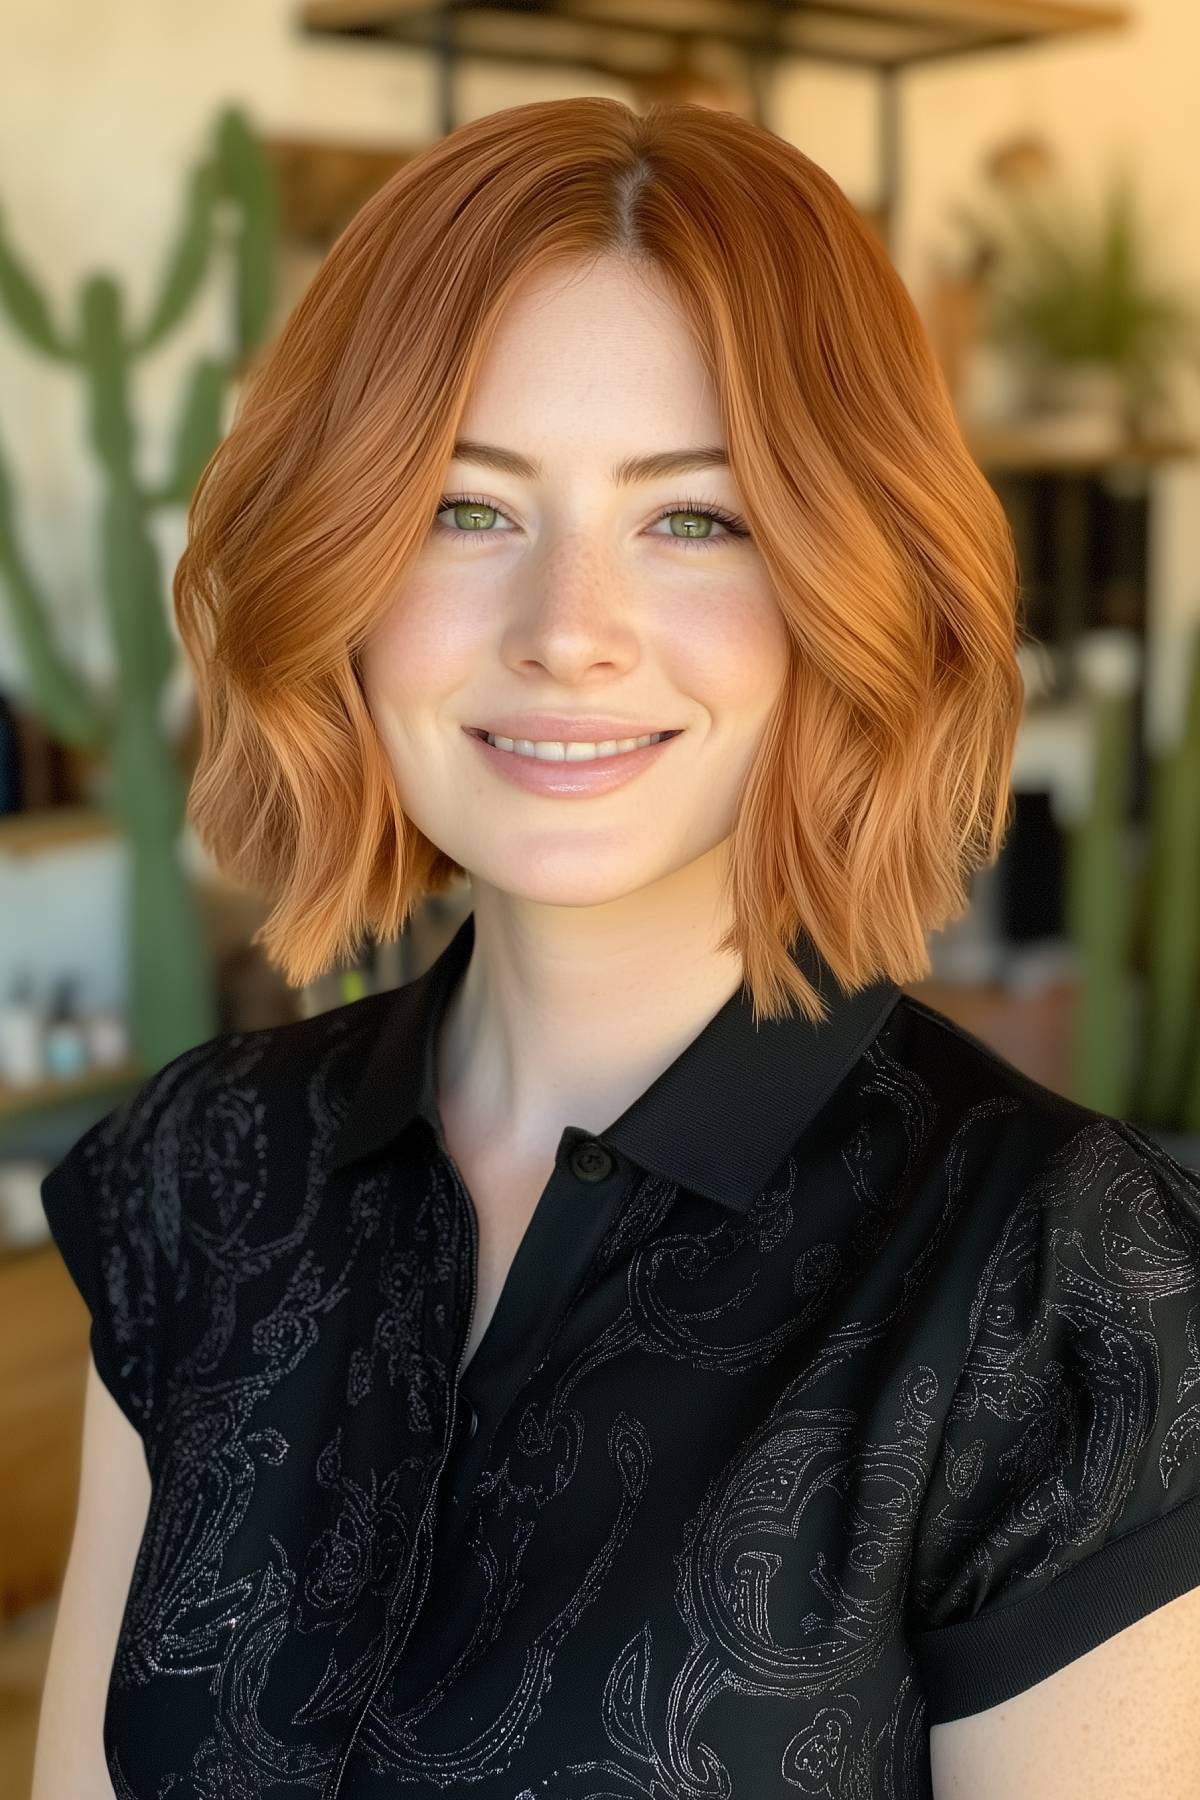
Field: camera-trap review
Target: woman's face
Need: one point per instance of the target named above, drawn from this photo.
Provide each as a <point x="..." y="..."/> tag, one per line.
<point x="567" y="591"/>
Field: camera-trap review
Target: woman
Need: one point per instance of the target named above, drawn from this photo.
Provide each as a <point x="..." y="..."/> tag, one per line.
<point x="648" y="1354"/>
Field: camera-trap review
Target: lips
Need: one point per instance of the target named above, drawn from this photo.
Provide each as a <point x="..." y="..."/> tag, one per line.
<point x="569" y="777"/>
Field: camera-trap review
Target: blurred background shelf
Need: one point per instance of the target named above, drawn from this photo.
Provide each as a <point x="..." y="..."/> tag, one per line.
<point x="52" y="828"/>
<point x="20" y="1102"/>
<point x="1019" y="448"/>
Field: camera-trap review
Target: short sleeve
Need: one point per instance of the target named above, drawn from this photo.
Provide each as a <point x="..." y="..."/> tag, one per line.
<point x="1064" y="1503"/>
<point x="112" y="1207"/>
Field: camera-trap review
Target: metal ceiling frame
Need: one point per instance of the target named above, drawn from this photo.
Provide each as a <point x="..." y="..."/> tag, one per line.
<point x="506" y="32"/>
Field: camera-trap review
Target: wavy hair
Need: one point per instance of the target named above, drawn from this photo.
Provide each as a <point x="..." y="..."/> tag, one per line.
<point x="883" y="778"/>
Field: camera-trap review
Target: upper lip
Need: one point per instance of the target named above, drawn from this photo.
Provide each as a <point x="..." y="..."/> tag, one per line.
<point x="554" y="728"/>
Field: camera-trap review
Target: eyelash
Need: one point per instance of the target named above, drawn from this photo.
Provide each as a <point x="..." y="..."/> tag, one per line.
<point x="734" y="526"/>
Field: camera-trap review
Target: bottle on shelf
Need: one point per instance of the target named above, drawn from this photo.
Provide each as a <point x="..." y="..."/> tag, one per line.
<point x="22" y="1026"/>
<point x="66" y="1040"/>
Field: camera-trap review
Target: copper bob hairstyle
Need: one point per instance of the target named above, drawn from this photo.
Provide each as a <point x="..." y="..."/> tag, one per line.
<point x="883" y="777"/>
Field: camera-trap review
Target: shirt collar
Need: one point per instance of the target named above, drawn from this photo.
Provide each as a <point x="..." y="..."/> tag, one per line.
<point x="718" y="1121"/>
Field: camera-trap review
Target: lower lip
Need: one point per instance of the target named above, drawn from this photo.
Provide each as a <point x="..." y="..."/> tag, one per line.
<point x="595" y="776"/>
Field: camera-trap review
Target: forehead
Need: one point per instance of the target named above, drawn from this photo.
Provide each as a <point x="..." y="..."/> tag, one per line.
<point x="594" y="359"/>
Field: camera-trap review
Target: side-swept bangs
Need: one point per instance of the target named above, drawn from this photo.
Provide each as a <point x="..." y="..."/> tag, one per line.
<point x="883" y="780"/>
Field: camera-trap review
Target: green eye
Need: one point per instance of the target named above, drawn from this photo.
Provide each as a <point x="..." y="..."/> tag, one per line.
<point x="466" y="513"/>
<point x="708" y="518"/>
<point x="475" y="517"/>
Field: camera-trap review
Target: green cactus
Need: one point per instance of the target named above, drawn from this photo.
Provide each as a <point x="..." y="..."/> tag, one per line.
<point x="172" y="999"/>
<point x="1136" y="925"/>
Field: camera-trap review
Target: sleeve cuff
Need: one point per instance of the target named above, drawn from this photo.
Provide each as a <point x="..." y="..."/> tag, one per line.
<point x="977" y="1663"/>
<point x="73" y="1233"/>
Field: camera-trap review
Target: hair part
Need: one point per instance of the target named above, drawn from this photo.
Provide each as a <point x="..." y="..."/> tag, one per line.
<point x="883" y="780"/>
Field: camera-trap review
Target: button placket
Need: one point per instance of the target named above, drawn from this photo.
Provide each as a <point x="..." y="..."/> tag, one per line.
<point x="570" y="1226"/>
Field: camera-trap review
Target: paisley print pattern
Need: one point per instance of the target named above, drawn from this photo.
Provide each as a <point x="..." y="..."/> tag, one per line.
<point x="849" y="1382"/>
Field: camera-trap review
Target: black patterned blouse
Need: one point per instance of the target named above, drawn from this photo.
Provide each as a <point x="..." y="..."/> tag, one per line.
<point x="848" y="1383"/>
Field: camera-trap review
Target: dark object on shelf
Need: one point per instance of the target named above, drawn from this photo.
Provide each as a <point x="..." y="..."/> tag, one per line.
<point x="37" y="772"/>
<point x="1030" y="872"/>
<point x="1082" y="538"/>
<point x="10" y="760"/>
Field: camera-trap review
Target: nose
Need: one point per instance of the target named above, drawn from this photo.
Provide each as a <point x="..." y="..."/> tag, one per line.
<point x="575" y="612"/>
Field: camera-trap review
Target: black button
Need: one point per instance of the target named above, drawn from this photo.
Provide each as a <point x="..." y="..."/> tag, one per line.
<point x="591" y="1161"/>
<point x="470" y="1418"/>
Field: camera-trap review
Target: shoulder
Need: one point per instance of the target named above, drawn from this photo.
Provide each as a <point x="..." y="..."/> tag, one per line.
<point x="962" y="1069"/>
<point x="1046" y="1154"/>
<point x="972" y="1122"/>
<point x="154" y="1207"/>
<point x="281" y="1083"/>
<point x="959" y="1063"/>
<point x="192" y="1132"/>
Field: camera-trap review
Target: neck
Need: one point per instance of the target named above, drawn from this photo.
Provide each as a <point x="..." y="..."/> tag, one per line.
<point x="565" y="1015"/>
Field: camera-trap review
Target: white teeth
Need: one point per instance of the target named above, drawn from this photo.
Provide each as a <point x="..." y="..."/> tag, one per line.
<point x="565" y="752"/>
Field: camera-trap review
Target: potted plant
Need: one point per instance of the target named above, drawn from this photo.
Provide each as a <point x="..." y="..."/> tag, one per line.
<point x="1073" y="301"/>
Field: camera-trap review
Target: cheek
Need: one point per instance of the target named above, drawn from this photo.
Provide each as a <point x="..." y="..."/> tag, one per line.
<point x="731" y="651"/>
<point x="418" y="653"/>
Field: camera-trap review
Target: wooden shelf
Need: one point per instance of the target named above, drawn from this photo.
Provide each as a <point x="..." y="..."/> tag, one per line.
<point x="50" y="827"/>
<point x="56" y="1090"/>
<point x="1012" y="447"/>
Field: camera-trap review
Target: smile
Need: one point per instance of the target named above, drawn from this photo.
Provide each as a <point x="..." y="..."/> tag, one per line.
<point x="570" y="770"/>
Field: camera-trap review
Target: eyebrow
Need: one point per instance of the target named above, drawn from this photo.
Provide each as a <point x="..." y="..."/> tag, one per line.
<point x="624" y="474"/>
